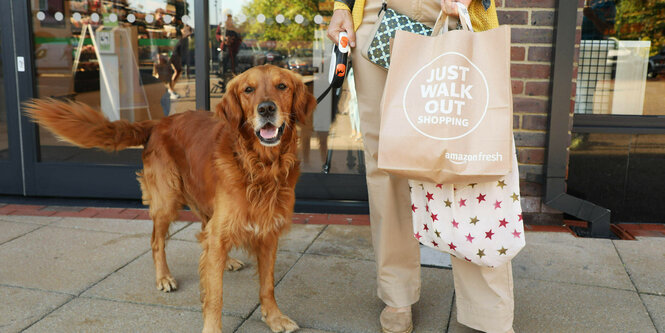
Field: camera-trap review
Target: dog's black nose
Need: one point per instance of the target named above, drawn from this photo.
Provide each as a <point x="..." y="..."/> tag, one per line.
<point x="267" y="109"/>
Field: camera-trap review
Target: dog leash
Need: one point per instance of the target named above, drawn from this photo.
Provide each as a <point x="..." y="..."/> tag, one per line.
<point x="338" y="64"/>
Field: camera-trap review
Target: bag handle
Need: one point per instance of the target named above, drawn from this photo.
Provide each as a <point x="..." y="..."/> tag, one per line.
<point x="441" y="25"/>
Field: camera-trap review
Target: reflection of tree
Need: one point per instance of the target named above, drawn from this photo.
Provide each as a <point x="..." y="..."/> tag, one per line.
<point x="287" y="33"/>
<point x="642" y="20"/>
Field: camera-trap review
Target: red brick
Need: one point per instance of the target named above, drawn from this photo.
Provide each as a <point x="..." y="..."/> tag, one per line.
<point x="516" y="121"/>
<point x="338" y="219"/>
<point x="141" y="214"/>
<point x="6" y="211"/>
<point x="360" y="220"/>
<point x="537" y="89"/>
<point x="531" y="35"/>
<point x="531" y="155"/>
<point x="517" y="86"/>
<point x="530" y="204"/>
<point x="513" y="17"/>
<point x="540" y="53"/>
<point x="31" y="212"/>
<point x="534" y="122"/>
<point x="115" y="213"/>
<point x="188" y="215"/>
<point x="529" y="3"/>
<point x="542" y="18"/>
<point x="23" y="207"/>
<point x="531" y="189"/>
<point x="317" y="219"/>
<point x="83" y="213"/>
<point x="530" y="139"/>
<point x="530" y="105"/>
<point x="530" y="71"/>
<point x="517" y="53"/>
<point x="498" y="3"/>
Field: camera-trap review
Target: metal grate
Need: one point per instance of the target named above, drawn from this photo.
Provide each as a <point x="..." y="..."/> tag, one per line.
<point x="594" y="77"/>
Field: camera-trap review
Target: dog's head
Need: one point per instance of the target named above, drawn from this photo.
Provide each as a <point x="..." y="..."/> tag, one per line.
<point x="266" y="101"/>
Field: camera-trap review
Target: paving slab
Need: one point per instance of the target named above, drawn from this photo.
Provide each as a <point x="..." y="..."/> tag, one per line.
<point x="123" y="226"/>
<point x="21" y="307"/>
<point x="93" y="315"/>
<point x="12" y="230"/>
<point x="42" y="220"/>
<point x="339" y="295"/>
<point x="656" y="307"/>
<point x="66" y="260"/>
<point x="348" y="241"/>
<point x="257" y="326"/>
<point x="295" y="240"/>
<point x="241" y="288"/>
<point x="543" y="306"/>
<point x="561" y="257"/>
<point x="645" y="262"/>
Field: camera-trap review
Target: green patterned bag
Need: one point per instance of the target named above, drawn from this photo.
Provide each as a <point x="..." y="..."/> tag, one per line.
<point x="378" y="48"/>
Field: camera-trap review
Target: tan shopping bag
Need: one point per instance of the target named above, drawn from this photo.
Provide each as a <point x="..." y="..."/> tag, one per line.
<point x="446" y="113"/>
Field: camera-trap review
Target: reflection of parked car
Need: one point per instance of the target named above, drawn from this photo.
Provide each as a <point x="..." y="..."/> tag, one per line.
<point x="250" y="56"/>
<point x="657" y="64"/>
<point x="301" y="63"/>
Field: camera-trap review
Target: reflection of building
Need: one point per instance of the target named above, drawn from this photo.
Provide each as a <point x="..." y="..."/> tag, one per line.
<point x="615" y="145"/>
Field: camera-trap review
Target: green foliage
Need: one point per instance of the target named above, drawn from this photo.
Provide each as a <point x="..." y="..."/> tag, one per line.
<point x="283" y="34"/>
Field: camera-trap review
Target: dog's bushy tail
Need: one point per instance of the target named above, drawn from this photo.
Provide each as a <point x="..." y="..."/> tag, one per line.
<point x="81" y="125"/>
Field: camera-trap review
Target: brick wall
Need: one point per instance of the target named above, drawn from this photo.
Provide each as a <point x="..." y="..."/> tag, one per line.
<point x="532" y="23"/>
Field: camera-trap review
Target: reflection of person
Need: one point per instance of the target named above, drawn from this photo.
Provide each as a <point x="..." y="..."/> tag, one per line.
<point x="484" y="296"/>
<point x="179" y="57"/>
<point x="229" y="39"/>
<point x="598" y="21"/>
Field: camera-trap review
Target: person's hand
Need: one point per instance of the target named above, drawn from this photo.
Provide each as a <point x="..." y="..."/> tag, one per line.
<point x="449" y="7"/>
<point x="341" y="21"/>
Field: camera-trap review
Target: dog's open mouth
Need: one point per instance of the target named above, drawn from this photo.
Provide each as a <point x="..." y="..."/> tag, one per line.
<point x="269" y="134"/>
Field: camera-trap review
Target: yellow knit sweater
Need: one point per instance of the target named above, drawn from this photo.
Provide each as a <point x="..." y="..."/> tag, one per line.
<point x="481" y="19"/>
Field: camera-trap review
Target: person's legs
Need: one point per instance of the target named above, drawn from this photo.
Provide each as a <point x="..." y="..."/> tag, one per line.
<point x="397" y="251"/>
<point x="484" y="296"/>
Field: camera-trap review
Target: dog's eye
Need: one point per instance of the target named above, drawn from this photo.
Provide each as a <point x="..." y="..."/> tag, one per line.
<point x="249" y="90"/>
<point x="281" y="86"/>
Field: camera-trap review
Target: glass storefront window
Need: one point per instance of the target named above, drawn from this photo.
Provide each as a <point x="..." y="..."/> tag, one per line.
<point x="4" y="136"/>
<point x="130" y="59"/>
<point x="290" y="34"/>
<point x="621" y="66"/>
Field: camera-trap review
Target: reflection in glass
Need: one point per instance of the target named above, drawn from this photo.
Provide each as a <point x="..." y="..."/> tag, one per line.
<point x="621" y="65"/>
<point x="291" y="34"/>
<point x="130" y="59"/>
<point x="4" y="136"/>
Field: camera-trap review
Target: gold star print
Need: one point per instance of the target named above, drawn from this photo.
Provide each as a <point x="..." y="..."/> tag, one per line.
<point x="515" y="197"/>
<point x="474" y="220"/>
<point x="501" y="184"/>
<point x="481" y="253"/>
<point x="448" y="203"/>
<point x="438" y="233"/>
<point x="503" y="250"/>
<point x="473" y="185"/>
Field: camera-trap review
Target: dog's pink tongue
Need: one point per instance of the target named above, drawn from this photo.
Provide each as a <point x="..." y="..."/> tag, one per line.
<point x="269" y="132"/>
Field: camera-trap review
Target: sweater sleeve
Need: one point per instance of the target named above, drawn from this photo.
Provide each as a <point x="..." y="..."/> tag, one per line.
<point x="344" y="4"/>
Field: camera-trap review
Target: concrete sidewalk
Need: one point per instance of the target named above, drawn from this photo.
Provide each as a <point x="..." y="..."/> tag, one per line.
<point x="62" y="274"/>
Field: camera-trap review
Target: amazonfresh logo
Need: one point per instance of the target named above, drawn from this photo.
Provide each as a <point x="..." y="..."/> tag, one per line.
<point x="460" y="158"/>
<point x="447" y="98"/>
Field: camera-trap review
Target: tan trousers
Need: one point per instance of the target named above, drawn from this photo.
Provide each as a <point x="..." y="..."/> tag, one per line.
<point x="484" y="296"/>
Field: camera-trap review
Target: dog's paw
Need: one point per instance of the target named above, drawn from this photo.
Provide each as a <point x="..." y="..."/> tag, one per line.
<point x="234" y="264"/>
<point x="281" y="323"/>
<point x="166" y="284"/>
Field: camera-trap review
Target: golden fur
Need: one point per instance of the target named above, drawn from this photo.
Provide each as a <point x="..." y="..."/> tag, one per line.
<point x="231" y="167"/>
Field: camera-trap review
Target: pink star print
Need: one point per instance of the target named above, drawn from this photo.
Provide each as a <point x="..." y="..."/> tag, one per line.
<point x="429" y="196"/>
<point x="425" y="227"/>
<point x="467" y="259"/>
<point x="439" y="186"/>
<point x="469" y="238"/>
<point x="455" y="224"/>
<point x="434" y="217"/>
<point x="481" y="197"/>
<point x="452" y="246"/>
<point x="417" y="235"/>
<point x="462" y="202"/>
<point x="413" y="208"/>
<point x="520" y="217"/>
<point x="489" y="234"/>
<point x="497" y="204"/>
<point x="516" y="234"/>
<point x="503" y="223"/>
<point x="435" y="244"/>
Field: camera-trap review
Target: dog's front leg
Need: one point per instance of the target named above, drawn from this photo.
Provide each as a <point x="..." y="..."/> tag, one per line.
<point x="266" y="252"/>
<point x="211" y="270"/>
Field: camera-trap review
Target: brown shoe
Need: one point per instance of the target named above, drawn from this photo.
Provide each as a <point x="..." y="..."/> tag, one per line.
<point x="396" y="322"/>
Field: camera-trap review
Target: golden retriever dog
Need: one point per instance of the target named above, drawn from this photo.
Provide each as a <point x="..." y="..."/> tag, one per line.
<point x="236" y="168"/>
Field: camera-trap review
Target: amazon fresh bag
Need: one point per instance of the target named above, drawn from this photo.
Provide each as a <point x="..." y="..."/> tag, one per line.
<point x="446" y="113"/>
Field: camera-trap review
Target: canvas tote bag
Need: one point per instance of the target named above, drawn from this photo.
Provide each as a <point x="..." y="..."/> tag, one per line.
<point x="446" y="112"/>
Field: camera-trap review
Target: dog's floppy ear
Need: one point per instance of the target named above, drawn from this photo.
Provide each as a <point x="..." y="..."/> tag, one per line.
<point x="229" y="108"/>
<point x="304" y="102"/>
